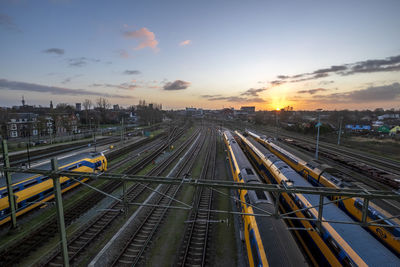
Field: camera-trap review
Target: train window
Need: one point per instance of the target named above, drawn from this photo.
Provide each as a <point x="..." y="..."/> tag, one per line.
<point x="249" y="171"/>
<point x="247" y="199"/>
<point x="33" y="199"/>
<point x="254" y="249"/>
<point x="261" y="195"/>
<point x="48" y="191"/>
<point x="30" y="183"/>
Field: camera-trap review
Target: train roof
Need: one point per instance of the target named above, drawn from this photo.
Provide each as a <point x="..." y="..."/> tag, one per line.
<point x="283" y="251"/>
<point x="363" y="243"/>
<point x="19" y="177"/>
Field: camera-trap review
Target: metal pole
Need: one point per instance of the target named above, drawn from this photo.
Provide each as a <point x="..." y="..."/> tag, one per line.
<point x="316" y="148"/>
<point x="365" y="211"/>
<point x="320" y="209"/>
<point x="29" y="157"/>
<point x="60" y="213"/>
<point x="276" y="125"/>
<point x="125" y="199"/>
<point x="122" y="130"/>
<point x="340" y="130"/>
<point x="10" y="192"/>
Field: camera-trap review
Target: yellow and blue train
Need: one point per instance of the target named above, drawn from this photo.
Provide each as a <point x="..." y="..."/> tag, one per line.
<point x="32" y="190"/>
<point x="389" y="236"/>
<point x="334" y="244"/>
<point x="267" y="240"/>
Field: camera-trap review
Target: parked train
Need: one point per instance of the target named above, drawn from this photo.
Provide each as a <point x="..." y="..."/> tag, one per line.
<point x="268" y="241"/>
<point x="32" y="190"/>
<point x="390" y="236"/>
<point x="333" y="244"/>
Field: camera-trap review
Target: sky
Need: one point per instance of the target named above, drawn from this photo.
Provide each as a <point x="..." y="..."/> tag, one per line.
<point x="205" y="54"/>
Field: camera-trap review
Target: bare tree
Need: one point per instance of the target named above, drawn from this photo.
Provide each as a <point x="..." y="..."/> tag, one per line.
<point x="103" y="105"/>
<point x="87" y="104"/>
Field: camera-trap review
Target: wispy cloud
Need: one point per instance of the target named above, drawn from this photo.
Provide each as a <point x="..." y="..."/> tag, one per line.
<point x="368" y="66"/>
<point x="131" y="72"/>
<point x="69" y="79"/>
<point x="390" y="92"/>
<point x="81" y="61"/>
<point x="237" y="99"/>
<point x="123" y="53"/>
<point x="145" y="37"/>
<point x="176" y="85"/>
<point x="312" y="91"/>
<point x="8" y="23"/>
<point x="186" y="42"/>
<point x="123" y="86"/>
<point x="32" y="87"/>
<point x="254" y="91"/>
<point x="57" y="51"/>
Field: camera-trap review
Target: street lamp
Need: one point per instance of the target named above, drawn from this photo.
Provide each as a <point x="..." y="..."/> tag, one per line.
<point x="318" y="126"/>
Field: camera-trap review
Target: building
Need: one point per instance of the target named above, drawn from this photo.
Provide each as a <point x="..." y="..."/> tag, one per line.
<point x="78" y="106"/>
<point x="249" y="109"/>
<point x="22" y="125"/>
<point x="116" y="107"/>
<point x="358" y="128"/>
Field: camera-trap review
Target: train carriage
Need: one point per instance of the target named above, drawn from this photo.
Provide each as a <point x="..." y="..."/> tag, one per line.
<point x="268" y="241"/>
<point x="334" y="244"/>
<point x="32" y="190"/>
<point x="389" y="236"/>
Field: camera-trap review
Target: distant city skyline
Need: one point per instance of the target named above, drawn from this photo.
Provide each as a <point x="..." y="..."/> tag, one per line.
<point x="209" y="54"/>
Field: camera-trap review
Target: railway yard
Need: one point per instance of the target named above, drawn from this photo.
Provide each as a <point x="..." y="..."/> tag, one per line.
<point x="185" y="220"/>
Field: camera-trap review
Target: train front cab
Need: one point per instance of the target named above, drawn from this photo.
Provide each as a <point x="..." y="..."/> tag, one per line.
<point x="254" y="246"/>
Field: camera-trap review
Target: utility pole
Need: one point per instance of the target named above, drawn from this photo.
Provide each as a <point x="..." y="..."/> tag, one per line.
<point x="318" y="125"/>
<point x="340" y="130"/>
<point x="10" y="192"/>
<point x="60" y="212"/>
<point x="122" y="130"/>
<point x="276" y="124"/>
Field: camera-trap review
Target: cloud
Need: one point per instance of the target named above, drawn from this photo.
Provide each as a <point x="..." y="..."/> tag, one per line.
<point x="123" y="53"/>
<point x="253" y="91"/>
<point x="210" y="96"/>
<point x="325" y="82"/>
<point x="145" y="37"/>
<point x="186" y="42"/>
<point x="312" y="91"/>
<point x="32" y="87"/>
<point x="81" y="61"/>
<point x="8" y="23"/>
<point x="176" y="85"/>
<point x="382" y="93"/>
<point x="237" y="99"/>
<point x="367" y="66"/>
<point x="124" y="86"/>
<point x="68" y="79"/>
<point x="131" y="72"/>
<point x="57" y="51"/>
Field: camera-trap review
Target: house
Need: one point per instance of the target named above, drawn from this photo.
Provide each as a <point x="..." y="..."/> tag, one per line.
<point x="395" y="130"/>
<point x="358" y="128"/>
<point x="22" y="125"/>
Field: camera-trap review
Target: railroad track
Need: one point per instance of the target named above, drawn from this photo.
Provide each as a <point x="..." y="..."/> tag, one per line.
<point x="381" y="163"/>
<point x="36" y="155"/>
<point x="196" y="238"/>
<point x="151" y="218"/>
<point x="96" y="227"/>
<point x="48" y="229"/>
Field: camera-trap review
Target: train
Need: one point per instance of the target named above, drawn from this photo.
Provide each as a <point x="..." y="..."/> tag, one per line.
<point x="390" y="236"/>
<point x="33" y="190"/>
<point x="331" y="244"/>
<point x="267" y="239"/>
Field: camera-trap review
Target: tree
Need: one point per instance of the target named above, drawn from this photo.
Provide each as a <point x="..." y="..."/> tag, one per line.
<point x="87" y="104"/>
<point x="103" y="105"/>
